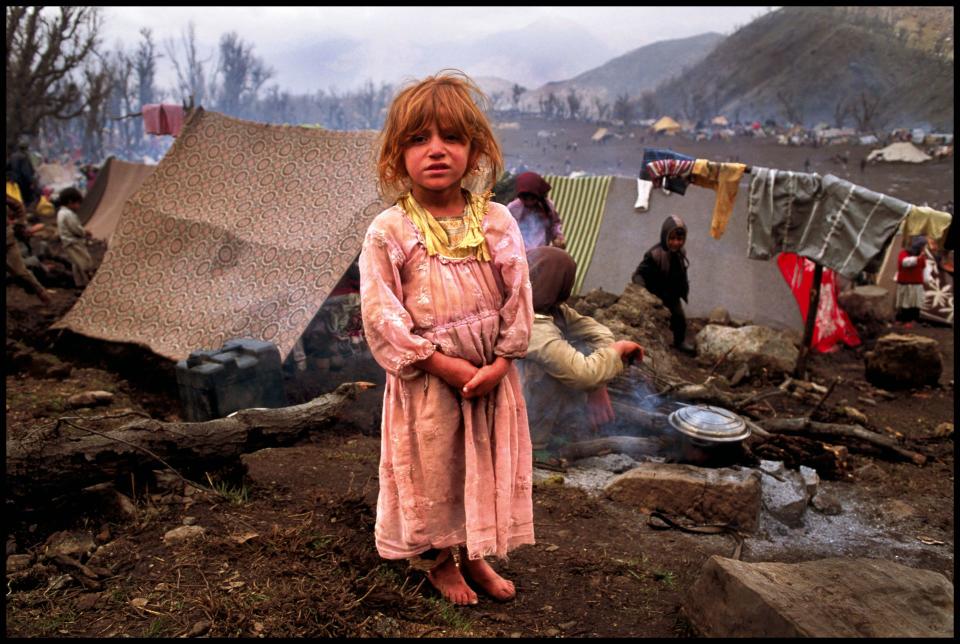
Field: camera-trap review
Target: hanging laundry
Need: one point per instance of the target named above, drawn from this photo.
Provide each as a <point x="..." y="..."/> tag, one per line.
<point x="643" y="194"/>
<point x="834" y="222"/>
<point x="162" y="118"/>
<point x="724" y="178"/>
<point x="667" y="168"/>
<point x="922" y="220"/>
<point x="832" y="323"/>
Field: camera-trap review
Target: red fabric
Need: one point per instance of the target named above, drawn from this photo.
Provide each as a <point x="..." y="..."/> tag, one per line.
<point x="832" y="325"/>
<point x="162" y="119"/>
<point x="911" y="274"/>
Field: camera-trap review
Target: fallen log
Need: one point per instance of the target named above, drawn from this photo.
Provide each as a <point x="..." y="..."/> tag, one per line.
<point x="73" y="461"/>
<point x="629" y="445"/>
<point x="807" y="426"/>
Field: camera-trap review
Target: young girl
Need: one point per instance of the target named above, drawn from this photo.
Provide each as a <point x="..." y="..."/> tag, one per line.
<point x="663" y="272"/>
<point x="538" y="219"/>
<point x="909" y="295"/>
<point x="446" y="306"/>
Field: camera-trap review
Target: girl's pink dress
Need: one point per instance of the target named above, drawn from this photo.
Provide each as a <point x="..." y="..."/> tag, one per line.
<point x="452" y="470"/>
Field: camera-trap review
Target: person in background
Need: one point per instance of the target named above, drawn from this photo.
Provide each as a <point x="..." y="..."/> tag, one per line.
<point x="16" y="217"/>
<point x="535" y="214"/>
<point x="73" y="235"/>
<point x="20" y="170"/>
<point x="663" y="272"/>
<point x="570" y="359"/>
<point x="909" y="295"/>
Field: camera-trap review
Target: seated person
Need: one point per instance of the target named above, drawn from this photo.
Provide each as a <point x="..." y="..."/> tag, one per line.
<point x="565" y="390"/>
<point x="663" y="272"/>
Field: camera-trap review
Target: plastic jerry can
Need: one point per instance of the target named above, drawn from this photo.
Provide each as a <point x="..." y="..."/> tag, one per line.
<point x="245" y="373"/>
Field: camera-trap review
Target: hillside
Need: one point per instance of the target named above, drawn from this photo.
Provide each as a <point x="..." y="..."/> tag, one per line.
<point x="808" y="63"/>
<point x="632" y="73"/>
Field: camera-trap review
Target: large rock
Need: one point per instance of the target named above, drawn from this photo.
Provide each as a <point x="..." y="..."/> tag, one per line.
<point x="823" y="598"/>
<point x="866" y="303"/>
<point x="701" y="494"/>
<point x="757" y="347"/>
<point x="903" y="361"/>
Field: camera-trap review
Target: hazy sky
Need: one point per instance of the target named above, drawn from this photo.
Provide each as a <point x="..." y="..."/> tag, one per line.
<point x="316" y="47"/>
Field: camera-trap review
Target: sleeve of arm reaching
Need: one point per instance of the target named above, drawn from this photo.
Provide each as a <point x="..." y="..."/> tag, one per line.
<point x="386" y="323"/>
<point x="561" y="360"/>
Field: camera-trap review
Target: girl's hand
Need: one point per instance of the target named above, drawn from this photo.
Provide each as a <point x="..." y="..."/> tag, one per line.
<point x="456" y="372"/>
<point x="599" y="409"/>
<point x="629" y="351"/>
<point x="486" y="379"/>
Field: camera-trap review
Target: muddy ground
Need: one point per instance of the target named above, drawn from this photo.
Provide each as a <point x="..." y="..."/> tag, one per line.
<point x="288" y="544"/>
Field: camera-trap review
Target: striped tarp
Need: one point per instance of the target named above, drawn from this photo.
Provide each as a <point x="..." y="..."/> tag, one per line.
<point x="579" y="202"/>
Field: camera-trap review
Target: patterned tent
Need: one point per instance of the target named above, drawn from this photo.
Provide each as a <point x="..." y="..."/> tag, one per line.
<point x="103" y="204"/>
<point x="242" y="230"/>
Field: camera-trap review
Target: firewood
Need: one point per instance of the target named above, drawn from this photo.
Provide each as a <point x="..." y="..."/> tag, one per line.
<point x="807" y="426"/>
<point x="629" y="445"/>
<point x="58" y="465"/>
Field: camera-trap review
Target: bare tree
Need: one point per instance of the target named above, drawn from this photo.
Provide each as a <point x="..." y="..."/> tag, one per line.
<point x="516" y="92"/>
<point x="43" y="54"/>
<point x="841" y="111"/>
<point x="648" y="105"/>
<point x="193" y="76"/>
<point x="573" y="103"/>
<point x="98" y="85"/>
<point x="623" y="108"/>
<point x="551" y="106"/>
<point x="145" y="69"/>
<point x="603" y="109"/>
<point x="867" y="111"/>
<point x="791" y="106"/>
<point x="241" y="76"/>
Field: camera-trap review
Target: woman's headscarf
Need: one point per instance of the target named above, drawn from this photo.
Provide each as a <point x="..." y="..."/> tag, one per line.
<point x="534" y="184"/>
<point x="917" y="244"/>
<point x="552" y="273"/>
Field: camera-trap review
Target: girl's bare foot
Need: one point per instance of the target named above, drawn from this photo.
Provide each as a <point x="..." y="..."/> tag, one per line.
<point x="447" y="579"/>
<point x="489" y="581"/>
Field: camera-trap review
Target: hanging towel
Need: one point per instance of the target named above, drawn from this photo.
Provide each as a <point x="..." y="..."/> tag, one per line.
<point x="581" y="201"/>
<point x="152" y="118"/>
<point x="832" y="323"/>
<point x="922" y="220"/>
<point x="724" y="178"/>
<point x="673" y="176"/>
<point x="643" y="194"/>
<point x="834" y="222"/>
<point x="162" y="118"/>
<point x="174" y="116"/>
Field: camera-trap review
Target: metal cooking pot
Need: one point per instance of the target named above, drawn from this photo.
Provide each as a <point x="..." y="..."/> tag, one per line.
<point x="708" y="426"/>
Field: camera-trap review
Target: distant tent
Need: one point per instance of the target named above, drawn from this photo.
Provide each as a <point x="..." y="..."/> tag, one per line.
<point x="869" y="140"/>
<point x="601" y="134"/>
<point x="901" y="151"/>
<point x="719" y="120"/>
<point x="103" y="204"/>
<point x="666" y="124"/>
<point x="243" y="230"/>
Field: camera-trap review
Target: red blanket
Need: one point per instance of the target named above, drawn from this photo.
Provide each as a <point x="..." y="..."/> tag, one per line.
<point x="832" y="323"/>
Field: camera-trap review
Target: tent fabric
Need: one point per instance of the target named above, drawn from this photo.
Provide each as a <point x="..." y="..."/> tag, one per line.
<point x="580" y="202"/>
<point x="666" y="124"/>
<point x="601" y="134"/>
<point x="117" y="181"/>
<point x="94" y="192"/>
<point x="242" y="230"/>
<point x="900" y="151"/>
<point x="832" y="324"/>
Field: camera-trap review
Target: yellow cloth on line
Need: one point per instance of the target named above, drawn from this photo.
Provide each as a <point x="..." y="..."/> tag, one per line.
<point x="922" y="220"/>
<point x="435" y="238"/>
<point x="724" y="178"/>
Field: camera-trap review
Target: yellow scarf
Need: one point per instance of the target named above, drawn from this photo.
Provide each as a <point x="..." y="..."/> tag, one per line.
<point x="435" y="238"/>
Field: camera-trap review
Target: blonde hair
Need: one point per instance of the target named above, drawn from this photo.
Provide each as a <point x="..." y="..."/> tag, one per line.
<point x="454" y="102"/>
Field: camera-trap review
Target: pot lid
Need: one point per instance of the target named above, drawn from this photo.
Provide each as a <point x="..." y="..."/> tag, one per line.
<point x="709" y="423"/>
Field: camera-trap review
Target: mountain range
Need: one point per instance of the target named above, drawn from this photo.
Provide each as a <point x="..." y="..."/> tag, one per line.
<point x="838" y="65"/>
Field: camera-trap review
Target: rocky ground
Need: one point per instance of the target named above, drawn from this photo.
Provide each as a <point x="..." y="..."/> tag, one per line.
<point x="284" y="545"/>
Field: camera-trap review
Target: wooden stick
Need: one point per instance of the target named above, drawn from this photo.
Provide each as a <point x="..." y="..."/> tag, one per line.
<point x="811" y="321"/>
<point x="807" y="426"/>
<point x="629" y="445"/>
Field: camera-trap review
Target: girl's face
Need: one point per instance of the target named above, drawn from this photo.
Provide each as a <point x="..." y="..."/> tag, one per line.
<point x="436" y="160"/>
<point x="675" y="240"/>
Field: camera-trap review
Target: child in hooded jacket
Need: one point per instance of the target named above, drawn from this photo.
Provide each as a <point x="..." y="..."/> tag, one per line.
<point x="663" y="272"/>
<point x="911" y="263"/>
